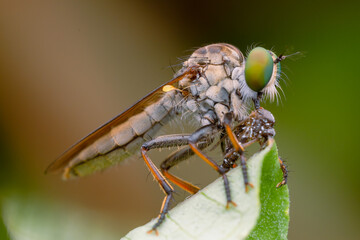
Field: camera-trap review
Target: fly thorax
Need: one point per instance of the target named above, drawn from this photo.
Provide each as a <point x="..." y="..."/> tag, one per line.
<point x="216" y="89"/>
<point x="212" y="95"/>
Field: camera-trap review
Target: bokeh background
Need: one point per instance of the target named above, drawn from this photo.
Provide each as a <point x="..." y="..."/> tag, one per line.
<point x="66" y="67"/>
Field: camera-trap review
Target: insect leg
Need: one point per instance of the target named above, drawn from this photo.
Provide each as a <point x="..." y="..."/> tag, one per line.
<point x="238" y="148"/>
<point x="222" y="142"/>
<point x="177" y="157"/>
<point x="282" y="166"/>
<point x="200" y="134"/>
<point x="285" y="173"/>
<point x="161" y="142"/>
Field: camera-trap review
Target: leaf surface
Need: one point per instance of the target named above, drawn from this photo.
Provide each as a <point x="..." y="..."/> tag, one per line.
<point x="262" y="213"/>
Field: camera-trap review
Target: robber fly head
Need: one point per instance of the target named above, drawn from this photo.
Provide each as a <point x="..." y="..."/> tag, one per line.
<point x="262" y="74"/>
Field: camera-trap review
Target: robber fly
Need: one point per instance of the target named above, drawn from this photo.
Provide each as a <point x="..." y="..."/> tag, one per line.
<point x="217" y="85"/>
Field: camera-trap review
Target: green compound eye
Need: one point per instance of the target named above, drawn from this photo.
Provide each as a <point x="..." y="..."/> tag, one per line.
<point x="258" y="68"/>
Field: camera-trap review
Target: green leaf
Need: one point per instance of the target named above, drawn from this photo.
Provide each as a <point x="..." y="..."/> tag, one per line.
<point x="262" y="213"/>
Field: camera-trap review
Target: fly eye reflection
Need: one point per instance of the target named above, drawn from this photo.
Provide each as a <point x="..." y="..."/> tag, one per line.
<point x="258" y="68"/>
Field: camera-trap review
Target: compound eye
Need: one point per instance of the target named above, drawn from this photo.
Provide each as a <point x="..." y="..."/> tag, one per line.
<point x="258" y="68"/>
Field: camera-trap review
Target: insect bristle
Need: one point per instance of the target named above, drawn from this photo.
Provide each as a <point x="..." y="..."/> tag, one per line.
<point x="251" y="47"/>
<point x="183" y="58"/>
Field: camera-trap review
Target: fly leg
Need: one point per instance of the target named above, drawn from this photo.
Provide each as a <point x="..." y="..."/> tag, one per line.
<point x="239" y="148"/>
<point x="161" y="142"/>
<point x="282" y="166"/>
<point x="174" y="159"/>
<point x="285" y="174"/>
<point x="196" y="137"/>
<point x="179" y="140"/>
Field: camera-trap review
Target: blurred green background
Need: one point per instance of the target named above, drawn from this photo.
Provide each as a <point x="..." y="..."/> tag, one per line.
<point x="66" y="67"/>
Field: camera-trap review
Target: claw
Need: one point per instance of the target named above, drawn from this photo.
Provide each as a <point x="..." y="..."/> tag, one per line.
<point x="247" y="186"/>
<point x="153" y="230"/>
<point x="230" y="203"/>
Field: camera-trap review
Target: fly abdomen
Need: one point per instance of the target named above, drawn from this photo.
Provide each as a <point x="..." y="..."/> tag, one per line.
<point x="125" y="139"/>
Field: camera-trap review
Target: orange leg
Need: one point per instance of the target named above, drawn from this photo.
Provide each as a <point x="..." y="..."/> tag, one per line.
<point x="162" y="142"/>
<point x="285" y="174"/>
<point x="166" y="187"/>
<point x="238" y="148"/>
<point x="192" y="189"/>
<point x="218" y="168"/>
<point x="175" y="158"/>
<point x="201" y="137"/>
<point x="193" y="140"/>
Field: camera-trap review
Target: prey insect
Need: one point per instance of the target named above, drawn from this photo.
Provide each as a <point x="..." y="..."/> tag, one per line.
<point x="217" y="85"/>
<point x="258" y="127"/>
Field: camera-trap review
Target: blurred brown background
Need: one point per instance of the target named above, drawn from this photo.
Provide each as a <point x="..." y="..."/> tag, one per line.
<point x="66" y="67"/>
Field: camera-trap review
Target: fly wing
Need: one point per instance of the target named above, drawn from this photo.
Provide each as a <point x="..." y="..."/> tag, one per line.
<point x="122" y="136"/>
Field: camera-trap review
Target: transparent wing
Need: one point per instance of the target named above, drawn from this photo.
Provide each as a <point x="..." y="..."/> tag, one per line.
<point x="64" y="161"/>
